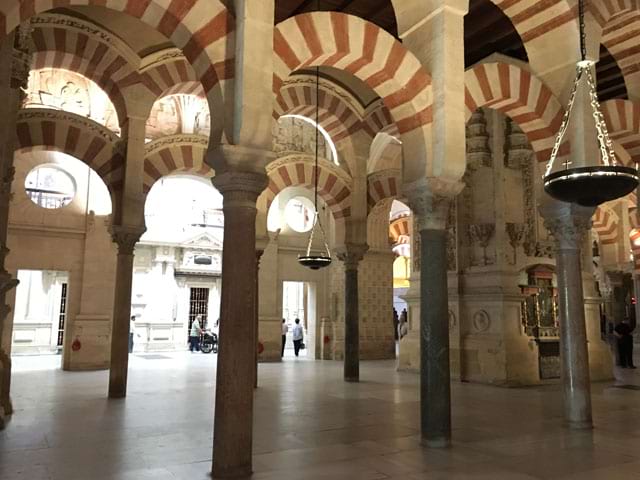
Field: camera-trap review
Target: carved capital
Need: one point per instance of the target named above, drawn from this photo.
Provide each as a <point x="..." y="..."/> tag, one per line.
<point x="351" y="255"/>
<point x="22" y="56"/>
<point x="126" y="237"/>
<point x="430" y="201"/>
<point x="568" y="231"/>
<point x="240" y="189"/>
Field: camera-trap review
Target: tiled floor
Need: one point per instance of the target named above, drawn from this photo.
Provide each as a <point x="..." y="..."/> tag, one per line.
<point x="309" y="425"/>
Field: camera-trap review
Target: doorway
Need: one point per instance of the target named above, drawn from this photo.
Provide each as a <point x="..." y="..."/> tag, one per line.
<point x="40" y="312"/>
<point x="299" y="301"/>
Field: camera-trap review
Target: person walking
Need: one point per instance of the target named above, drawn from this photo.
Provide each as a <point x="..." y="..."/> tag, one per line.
<point x="194" y="334"/>
<point x="297" y="336"/>
<point x="625" y="343"/>
<point x="132" y="331"/>
<point x="285" y="329"/>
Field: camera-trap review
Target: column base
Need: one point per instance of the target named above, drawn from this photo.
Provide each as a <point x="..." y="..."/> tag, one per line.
<point x="352" y="379"/>
<point x="232" y="472"/>
<point x="436" y="442"/>
<point x="117" y="392"/>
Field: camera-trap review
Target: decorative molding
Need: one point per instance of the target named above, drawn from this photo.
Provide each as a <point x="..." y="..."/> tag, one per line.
<point x="481" y="321"/>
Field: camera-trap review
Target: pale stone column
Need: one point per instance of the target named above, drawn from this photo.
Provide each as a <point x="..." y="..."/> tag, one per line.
<point x="126" y="239"/>
<point x="233" y="423"/>
<point x="351" y="255"/>
<point x="569" y="225"/>
<point x="430" y="209"/>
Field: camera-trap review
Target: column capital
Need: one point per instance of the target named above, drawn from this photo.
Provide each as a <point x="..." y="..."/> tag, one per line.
<point x="351" y="254"/>
<point x="126" y="237"/>
<point x="240" y="188"/>
<point x="430" y="200"/>
<point x="569" y="228"/>
<point x="237" y="158"/>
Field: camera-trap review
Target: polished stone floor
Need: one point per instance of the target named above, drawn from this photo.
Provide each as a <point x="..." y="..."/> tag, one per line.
<point x="309" y="425"/>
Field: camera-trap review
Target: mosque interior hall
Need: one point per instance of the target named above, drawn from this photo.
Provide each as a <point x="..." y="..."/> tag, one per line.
<point x="313" y="239"/>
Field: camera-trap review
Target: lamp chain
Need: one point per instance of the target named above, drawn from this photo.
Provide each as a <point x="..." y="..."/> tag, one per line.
<point x="584" y="68"/>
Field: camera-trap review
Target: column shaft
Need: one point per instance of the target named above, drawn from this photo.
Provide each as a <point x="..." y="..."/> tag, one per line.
<point x="351" y="325"/>
<point x="573" y="340"/>
<point x="235" y="377"/>
<point x="435" y="390"/>
<point x="120" y="331"/>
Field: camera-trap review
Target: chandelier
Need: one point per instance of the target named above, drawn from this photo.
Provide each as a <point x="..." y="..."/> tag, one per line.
<point x="594" y="184"/>
<point x="318" y="260"/>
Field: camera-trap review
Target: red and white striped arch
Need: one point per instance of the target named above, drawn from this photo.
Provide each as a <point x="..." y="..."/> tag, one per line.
<point x="603" y="11"/>
<point x="175" y="154"/>
<point x="172" y="76"/>
<point x="623" y="123"/>
<point x="84" y="139"/>
<point x="299" y="171"/>
<point x="519" y="94"/>
<point x="605" y="224"/>
<point x="202" y="30"/>
<point x="400" y="230"/>
<point x="383" y="184"/>
<point x="335" y="115"/>
<point x="620" y="36"/>
<point x="80" y="53"/>
<point x="378" y="120"/>
<point x="363" y="49"/>
<point x="634" y="240"/>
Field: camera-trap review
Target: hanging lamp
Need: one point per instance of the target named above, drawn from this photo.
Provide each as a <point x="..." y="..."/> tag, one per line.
<point x="316" y="261"/>
<point x="588" y="186"/>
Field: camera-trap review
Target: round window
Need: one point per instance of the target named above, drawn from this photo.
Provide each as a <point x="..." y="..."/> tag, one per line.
<point x="299" y="214"/>
<point x="50" y="187"/>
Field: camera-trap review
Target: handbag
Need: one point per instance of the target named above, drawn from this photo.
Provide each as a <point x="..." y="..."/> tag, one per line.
<point x="302" y="346"/>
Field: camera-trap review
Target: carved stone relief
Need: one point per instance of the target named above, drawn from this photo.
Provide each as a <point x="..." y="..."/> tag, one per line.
<point x="480" y="234"/>
<point x="68" y="91"/>
<point x="478" y="151"/>
<point x="481" y="321"/>
<point x="516" y="233"/>
<point x="296" y="135"/>
<point x="518" y="152"/>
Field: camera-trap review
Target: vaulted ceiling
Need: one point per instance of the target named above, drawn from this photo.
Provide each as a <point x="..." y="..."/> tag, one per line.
<point x="487" y="30"/>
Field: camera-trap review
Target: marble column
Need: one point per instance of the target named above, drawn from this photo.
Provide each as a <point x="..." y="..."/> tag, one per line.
<point x="16" y="57"/>
<point x="569" y="227"/>
<point x="430" y="211"/>
<point x="126" y="239"/>
<point x="351" y="255"/>
<point x="233" y="422"/>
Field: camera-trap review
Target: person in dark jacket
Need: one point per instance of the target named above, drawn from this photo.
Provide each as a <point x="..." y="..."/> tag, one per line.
<point x="625" y="343"/>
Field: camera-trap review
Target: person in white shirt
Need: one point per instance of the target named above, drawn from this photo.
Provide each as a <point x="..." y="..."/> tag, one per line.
<point x="297" y="337"/>
<point x="285" y="329"/>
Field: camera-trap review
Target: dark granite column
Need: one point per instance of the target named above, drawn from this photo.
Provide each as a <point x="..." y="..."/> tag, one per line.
<point x="351" y="255"/>
<point x="233" y="421"/>
<point x="568" y="229"/>
<point x="257" y="315"/>
<point x="126" y="239"/>
<point x="430" y="214"/>
<point x="435" y="375"/>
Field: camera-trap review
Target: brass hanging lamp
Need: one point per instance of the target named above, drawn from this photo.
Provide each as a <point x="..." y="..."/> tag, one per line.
<point x="595" y="184"/>
<point x="318" y="260"/>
